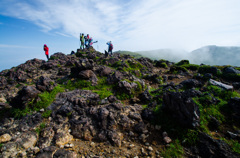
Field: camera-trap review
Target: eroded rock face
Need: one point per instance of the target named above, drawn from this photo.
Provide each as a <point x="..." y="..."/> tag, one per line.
<point x="209" y="147"/>
<point x="146" y="62"/>
<point x="115" y="77"/>
<point x="90" y="121"/>
<point x="82" y="64"/>
<point x="89" y="75"/>
<point x="20" y="145"/>
<point x="182" y="107"/>
<point x="230" y="70"/>
<point x="63" y="136"/>
<point x="234" y="103"/>
<point x="27" y="94"/>
<point x="191" y="83"/>
<point x="105" y="71"/>
<point x="46" y="137"/>
<point x="45" y="84"/>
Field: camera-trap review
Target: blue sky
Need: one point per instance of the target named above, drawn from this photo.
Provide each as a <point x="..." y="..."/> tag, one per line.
<point x="130" y="24"/>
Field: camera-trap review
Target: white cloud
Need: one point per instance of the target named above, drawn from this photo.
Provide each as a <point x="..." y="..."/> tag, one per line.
<point x="136" y="24"/>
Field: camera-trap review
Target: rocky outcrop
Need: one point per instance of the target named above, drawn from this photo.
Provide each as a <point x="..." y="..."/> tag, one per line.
<point x="230" y="70"/>
<point x="94" y="123"/>
<point x="182" y="107"/>
<point x="209" y="147"/>
<point x="191" y="83"/>
<point x="234" y="103"/>
<point x="89" y="75"/>
<point x="45" y="84"/>
<point x="27" y="94"/>
<point x="221" y="85"/>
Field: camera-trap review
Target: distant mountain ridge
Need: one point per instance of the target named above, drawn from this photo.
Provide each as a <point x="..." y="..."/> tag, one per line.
<point x="216" y="55"/>
<point x="211" y="55"/>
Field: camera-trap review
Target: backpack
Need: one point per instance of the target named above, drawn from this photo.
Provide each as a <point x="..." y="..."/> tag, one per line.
<point x="111" y="46"/>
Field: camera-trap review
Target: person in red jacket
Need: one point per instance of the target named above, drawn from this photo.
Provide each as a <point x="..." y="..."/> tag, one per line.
<point x="45" y="48"/>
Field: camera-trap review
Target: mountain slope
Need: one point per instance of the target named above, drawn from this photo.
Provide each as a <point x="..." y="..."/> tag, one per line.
<point x="216" y="55"/>
<point x="89" y="105"/>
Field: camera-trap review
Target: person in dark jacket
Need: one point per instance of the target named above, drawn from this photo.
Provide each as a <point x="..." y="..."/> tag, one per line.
<point x="46" y="49"/>
<point x="110" y="47"/>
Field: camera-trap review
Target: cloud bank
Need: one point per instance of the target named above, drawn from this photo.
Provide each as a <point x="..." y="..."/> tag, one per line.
<point x="135" y="24"/>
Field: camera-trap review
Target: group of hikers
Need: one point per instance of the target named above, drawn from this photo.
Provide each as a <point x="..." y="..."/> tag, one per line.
<point x="86" y="42"/>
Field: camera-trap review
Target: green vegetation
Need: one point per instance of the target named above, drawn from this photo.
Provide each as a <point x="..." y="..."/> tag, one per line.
<point x="47" y="113"/>
<point x="234" y="144"/>
<point x="175" y="150"/>
<point x="46" y="98"/>
<point x="121" y="95"/>
<point x="217" y="109"/>
<point x="18" y="85"/>
<point x="53" y="58"/>
<point x="40" y="128"/>
<point x="191" y="137"/>
<point x="103" y="89"/>
<point x="135" y="55"/>
<point x="77" y="84"/>
<point x="163" y="65"/>
<point x="210" y="69"/>
<point x="184" y="64"/>
<point x="80" y="53"/>
<point x="212" y="103"/>
<point x="177" y="69"/>
<point x="130" y="66"/>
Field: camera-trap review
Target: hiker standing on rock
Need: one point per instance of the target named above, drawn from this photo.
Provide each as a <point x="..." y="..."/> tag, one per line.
<point x="46" y="49"/>
<point x="110" y="47"/>
<point x="82" y="40"/>
<point x="86" y="38"/>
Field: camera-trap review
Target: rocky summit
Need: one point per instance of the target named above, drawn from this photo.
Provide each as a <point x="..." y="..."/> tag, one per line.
<point x="88" y="105"/>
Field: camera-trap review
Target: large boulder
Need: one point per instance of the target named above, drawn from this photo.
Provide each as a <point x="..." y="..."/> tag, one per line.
<point x="105" y="71"/>
<point x="45" y="84"/>
<point x="115" y="77"/>
<point x="146" y="62"/>
<point x="59" y="55"/>
<point x="127" y="87"/>
<point x="209" y="147"/>
<point x="182" y="107"/>
<point x="89" y="75"/>
<point x="145" y="97"/>
<point x="82" y="64"/>
<point x="27" y="94"/>
<point x="191" y="83"/>
<point x="234" y="103"/>
<point x="230" y="70"/>
<point x="46" y="137"/>
<point x="51" y="64"/>
<point x="221" y="85"/>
